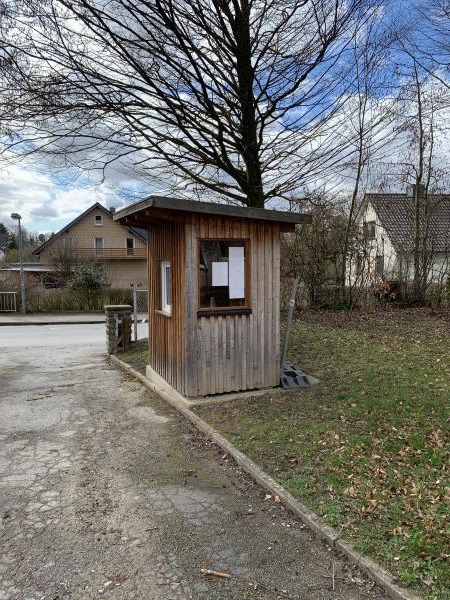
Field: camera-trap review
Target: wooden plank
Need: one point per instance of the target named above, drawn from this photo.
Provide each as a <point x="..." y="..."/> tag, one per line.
<point x="261" y="307"/>
<point x="178" y="307"/>
<point x="200" y="358"/>
<point x="232" y="374"/>
<point x="167" y="332"/>
<point x="229" y="351"/>
<point x="249" y="356"/>
<point x="254" y="293"/>
<point x="269" y="345"/>
<point x="237" y="354"/>
<point x="220" y="353"/>
<point x="206" y="328"/>
<point x="242" y="352"/>
<point x="215" y="367"/>
<point x="276" y="307"/>
<point x="191" y="355"/>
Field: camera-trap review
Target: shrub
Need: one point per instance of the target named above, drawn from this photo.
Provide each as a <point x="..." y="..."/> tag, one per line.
<point x="87" y="277"/>
<point x="68" y="300"/>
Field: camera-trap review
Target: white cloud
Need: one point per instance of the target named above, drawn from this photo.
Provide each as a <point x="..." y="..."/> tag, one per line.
<point x="43" y="202"/>
<point x="22" y="190"/>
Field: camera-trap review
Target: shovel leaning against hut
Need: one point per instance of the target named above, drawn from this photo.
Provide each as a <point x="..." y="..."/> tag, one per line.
<point x="291" y="377"/>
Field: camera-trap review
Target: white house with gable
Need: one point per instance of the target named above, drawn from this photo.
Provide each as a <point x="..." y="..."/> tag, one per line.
<point x="388" y="229"/>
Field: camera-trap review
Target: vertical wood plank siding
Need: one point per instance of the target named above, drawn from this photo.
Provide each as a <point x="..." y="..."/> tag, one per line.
<point x="199" y="356"/>
<point x="228" y="353"/>
<point x="166" y="333"/>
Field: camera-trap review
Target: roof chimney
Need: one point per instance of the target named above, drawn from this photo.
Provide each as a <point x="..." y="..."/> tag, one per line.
<point x="112" y="209"/>
<point x="411" y="190"/>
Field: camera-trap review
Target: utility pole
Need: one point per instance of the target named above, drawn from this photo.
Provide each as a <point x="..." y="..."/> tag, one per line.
<point x="18" y="218"/>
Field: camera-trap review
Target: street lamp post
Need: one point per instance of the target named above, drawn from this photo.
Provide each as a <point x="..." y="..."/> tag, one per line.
<point x="17" y="217"/>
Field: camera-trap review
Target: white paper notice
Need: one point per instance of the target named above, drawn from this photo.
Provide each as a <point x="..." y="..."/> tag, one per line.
<point x="219" y="273"/>
<point x="237" y="272"/>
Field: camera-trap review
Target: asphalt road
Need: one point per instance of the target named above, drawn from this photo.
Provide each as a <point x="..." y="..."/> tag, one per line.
<point x="30" y="336"/>
<point x="106" y="492"/>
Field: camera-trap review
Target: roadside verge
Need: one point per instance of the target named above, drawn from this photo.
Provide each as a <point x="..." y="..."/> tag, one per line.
<point x="383" y="578"/>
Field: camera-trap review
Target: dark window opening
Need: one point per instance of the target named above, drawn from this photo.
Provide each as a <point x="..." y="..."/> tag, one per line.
<point x="369" y="230"/>
<point x="379" y="265"/>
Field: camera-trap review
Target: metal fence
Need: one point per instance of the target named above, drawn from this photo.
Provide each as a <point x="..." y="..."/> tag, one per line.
<point x="8" y="301"/>
<point x="140" y="313"/>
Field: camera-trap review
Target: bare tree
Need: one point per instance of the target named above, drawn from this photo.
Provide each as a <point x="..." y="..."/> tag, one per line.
<point x="371" y="118"/>
<point x="430" y="46"/>
<point x="421" y="125"/>
<point x="314" y="253"/>
<point x="230" y="96"/>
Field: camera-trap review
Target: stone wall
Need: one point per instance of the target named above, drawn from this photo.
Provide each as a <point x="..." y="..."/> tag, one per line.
<point x="118" y="327"/>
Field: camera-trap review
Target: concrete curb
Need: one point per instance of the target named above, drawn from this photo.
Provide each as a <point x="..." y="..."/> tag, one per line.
<point x="382" y="577"/>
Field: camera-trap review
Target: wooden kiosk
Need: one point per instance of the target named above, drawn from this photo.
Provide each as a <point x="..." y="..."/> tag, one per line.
<point x="214" y="293"/>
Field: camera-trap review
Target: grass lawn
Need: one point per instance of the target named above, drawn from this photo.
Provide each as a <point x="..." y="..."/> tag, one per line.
<point x="136" y="355"/>
<point x="367" y="448"/>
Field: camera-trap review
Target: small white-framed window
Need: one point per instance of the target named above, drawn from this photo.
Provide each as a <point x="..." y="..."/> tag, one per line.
<point x="98" y="220"/>
<point x="166" y="291"/>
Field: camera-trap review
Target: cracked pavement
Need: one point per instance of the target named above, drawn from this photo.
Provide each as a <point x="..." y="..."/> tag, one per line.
<point x="106" y="492"/>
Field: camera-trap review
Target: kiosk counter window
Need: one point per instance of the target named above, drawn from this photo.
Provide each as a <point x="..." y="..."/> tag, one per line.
<point x="223" y="275"/>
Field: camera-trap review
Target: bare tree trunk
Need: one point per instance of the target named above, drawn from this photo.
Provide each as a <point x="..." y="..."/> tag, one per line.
<point x="420" y="241"/>
<point x="350" y="222"/>
<point x="249" y="144"/>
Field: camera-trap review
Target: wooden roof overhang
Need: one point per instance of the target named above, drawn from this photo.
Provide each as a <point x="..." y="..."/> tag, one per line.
<point x="160" y="210"/>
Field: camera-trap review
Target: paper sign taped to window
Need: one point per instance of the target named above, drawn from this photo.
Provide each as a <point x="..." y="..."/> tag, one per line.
<point x="236" y="272"/>
<point x="219" y="274"/>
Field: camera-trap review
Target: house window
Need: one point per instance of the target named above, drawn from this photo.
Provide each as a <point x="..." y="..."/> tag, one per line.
<point x="223" y="274"/>
<point x="98" y="245"/>
<point x="369" y="230"/>
<point x="69" y="243"/>
<point x="98" y="220"/>
<point x="379" y="265"/>
<point x="166" y="291"/>
<point x="130" y="246"/>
